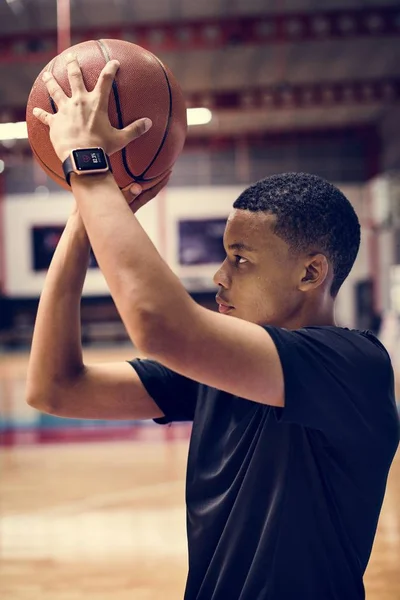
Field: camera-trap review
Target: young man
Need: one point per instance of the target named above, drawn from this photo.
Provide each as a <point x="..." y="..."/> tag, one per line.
<point x="294" y="420"/>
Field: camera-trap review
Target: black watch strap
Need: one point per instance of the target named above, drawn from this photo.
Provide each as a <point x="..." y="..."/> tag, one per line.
<point x="68" y="169"/>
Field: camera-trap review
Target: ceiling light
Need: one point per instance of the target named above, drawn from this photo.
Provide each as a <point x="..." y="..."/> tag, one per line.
<point x="198" y="116"/>
<point x="19" y="131"/>
<point x="13" y="131"/>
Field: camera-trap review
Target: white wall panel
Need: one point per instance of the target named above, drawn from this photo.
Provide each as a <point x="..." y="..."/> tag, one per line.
<point x="160" y="219"/>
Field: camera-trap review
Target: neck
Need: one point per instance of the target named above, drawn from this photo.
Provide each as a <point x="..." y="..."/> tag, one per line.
<point x="317" y="314"/>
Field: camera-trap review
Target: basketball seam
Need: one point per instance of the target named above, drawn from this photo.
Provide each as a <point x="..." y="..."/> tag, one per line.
<point x="169" y="117"/>
<point x="106" y="55"/>
<point x="54" y="109"/>
<point x="52" y="103"/>
<point x="140" y="177"/>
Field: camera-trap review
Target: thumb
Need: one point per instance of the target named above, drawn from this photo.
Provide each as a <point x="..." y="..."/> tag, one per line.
<point x="132" y="192"/>
<point x="136" y="129"/>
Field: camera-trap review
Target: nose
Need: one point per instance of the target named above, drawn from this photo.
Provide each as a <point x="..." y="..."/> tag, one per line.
<point x="221" y="277"/>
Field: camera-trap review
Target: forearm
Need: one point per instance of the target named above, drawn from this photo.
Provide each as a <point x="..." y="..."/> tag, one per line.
<point x="142" y="285"/>
<point x="56" y="352"/>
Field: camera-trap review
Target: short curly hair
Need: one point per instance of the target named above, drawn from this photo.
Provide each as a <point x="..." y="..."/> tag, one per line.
<point x="311" y="215"/>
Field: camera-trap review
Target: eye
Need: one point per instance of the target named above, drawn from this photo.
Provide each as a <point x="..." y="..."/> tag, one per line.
<point x="239" y="260"/>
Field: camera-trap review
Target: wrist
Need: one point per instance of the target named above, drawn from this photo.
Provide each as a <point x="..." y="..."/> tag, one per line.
<point x="76" y="226"/>
<point x="92" y="180"/>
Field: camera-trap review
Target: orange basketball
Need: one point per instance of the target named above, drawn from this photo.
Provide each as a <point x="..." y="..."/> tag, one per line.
<point x="143" y="87"/>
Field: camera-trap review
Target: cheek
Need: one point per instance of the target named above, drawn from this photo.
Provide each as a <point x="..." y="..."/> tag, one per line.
<point x="253" y="293"/>
<point x="271" y="290"/>
<point x="278" y="279"/>
<point x="260" y="286"/>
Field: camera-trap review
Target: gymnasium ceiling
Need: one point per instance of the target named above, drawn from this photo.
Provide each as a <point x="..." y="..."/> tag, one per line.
<point x="261" y="65"/>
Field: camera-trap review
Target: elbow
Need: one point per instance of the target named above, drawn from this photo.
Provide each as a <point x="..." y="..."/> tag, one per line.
<point x="47" y="394"/>
<point x="47" y="398"/>
<point x="33" y="397"/>
<point x="40" y="401"/>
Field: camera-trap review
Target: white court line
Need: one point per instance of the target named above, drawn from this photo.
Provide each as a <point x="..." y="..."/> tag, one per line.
<point x="98" y="500"/>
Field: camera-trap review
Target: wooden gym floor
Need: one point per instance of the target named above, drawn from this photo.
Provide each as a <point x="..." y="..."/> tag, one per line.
<point x="106" y="521"/>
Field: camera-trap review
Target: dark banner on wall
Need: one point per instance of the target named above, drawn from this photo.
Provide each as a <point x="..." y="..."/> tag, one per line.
<point x="44" y="243"/>
<point x="200" y="241"/>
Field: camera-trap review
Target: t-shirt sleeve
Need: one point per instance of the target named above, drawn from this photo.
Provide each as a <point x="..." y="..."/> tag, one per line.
<point x="173" y="393"/>
<point x="338" y="381"/>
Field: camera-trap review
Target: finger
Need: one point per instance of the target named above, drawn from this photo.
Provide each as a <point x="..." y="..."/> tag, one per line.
<point x="75" y="75"/>
<point x="42" y="115"/>
<point x="149" y="194"/>
<point x="135" y="130"/>
<point x="104" y="83"/>
<point x="132" y="192"/>
<point x="55" y="91"/>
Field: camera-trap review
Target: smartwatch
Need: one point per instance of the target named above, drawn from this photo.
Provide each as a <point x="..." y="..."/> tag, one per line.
<point x="86" y="161"/>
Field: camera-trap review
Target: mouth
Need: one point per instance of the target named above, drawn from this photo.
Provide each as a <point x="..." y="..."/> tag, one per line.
<point x="223" y="307"/>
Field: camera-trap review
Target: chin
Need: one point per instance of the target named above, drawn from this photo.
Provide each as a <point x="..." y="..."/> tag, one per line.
<point x="243" y="317"/>
<point x="235" y="312"/>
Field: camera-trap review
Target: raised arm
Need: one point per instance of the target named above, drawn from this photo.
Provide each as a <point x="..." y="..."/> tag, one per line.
<point x="162" y="320"/>
<point x="58" y="381"/>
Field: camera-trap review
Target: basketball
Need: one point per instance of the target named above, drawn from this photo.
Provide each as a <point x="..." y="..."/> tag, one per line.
<point x="143" y="87"/>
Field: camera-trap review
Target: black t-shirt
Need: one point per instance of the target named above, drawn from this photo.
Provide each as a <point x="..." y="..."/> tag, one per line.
<point x="283" y="503"/>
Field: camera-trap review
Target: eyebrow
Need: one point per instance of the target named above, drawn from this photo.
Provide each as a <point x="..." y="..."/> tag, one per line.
<point x="240" y="246"/>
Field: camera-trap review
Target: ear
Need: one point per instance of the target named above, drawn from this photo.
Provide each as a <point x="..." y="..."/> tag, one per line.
<point x="315" y="272"/>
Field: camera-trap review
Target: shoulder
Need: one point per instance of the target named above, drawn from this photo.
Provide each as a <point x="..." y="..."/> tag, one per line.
<point x="332" y="347"/>
<point x="362" y="344"/>
<point x="330" y="336"/>
<point x="339" y="381"/>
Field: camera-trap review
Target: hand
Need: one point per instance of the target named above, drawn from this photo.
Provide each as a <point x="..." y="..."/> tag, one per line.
<point x="136" y="198"/>
<point x="82" y="119"/>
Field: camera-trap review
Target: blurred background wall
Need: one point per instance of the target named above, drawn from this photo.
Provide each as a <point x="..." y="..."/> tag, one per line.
<point x="285" y="85"/>
<point x="271" y="86"/>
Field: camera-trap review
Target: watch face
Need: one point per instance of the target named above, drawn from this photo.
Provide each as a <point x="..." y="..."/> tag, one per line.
<point x="91" y="159"/>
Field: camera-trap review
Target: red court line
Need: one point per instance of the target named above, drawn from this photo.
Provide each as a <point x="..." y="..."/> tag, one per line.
<point x="136" y="433"/>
